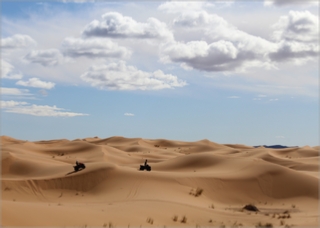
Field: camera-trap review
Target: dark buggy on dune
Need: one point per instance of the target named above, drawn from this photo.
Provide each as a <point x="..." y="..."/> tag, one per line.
<point x="145" y="166"/>
<point x="79" y="166"/>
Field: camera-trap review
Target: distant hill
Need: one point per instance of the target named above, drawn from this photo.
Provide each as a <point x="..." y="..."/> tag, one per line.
<point x="276" y="146"/>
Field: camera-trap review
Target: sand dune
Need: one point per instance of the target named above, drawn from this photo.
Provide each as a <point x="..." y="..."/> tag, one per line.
<point x="205" y="182"/>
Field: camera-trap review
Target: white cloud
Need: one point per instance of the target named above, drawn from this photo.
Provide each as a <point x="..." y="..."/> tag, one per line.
<point x="222" y="48"/>
<point x="128" y="114"/>
<point x="36" y="110"/>
<point x="299" y="26"/>
<point x="48" y="57"/>
<point x="115" y="25"/>
<point x="295" y="51"/>
<point x="291" y="2"/>
<point x="217" y="56"/>
<point x="15" y="92"/>
<point x="8" y="72"/>
<point x="298" y="37"/>
<point x="119" y="76"/>
<point x="225" y="48"/>
<point x="102" y="48"/>
<point x="10" y="104"/>
<point x="17" y="41"/>
<point x="179" y="6"/>
<point x="233" y="97"/>
<point x="200" y="20"/>
<point x="37" y="83"/>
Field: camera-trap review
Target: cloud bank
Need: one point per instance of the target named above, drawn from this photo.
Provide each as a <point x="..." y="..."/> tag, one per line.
<point x="115" y="25"/>
<point x="48" y="57"/>
<point x="225" y="48"/>
<point x="36" y="110"/>
<point x="119" y="76"/>
<point x="17" y="41"/>
<point x="93" y="48"/>
<point x="8" y="71"/>
<point x="37" y="83"/>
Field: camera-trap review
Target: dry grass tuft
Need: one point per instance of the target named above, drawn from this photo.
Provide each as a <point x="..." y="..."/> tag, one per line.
<point x="150" y="220"/>
<point x="197" y="192"/>
<point x="175" y="218"/>
<point x="267" y="225"/>
<point x="184" y="219"/>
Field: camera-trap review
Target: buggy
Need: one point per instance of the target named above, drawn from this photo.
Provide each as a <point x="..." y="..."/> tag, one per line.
<point x="79" y="166"/>
<point x="145" y="167"/>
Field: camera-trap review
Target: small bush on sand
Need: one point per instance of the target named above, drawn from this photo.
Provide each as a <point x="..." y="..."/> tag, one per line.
<point x="211" y="206"/>
<point x="184" y="219"/>
<point x="197" y="192"/>
<point x="267" y="225"/>
<point x="175" y="218"/>
<point x="250" y="207"/>
<point x="110" y="225"/>
<point x="150" y="220"/>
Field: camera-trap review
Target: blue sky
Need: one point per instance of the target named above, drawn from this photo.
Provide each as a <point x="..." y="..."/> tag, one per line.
<point x="242" y="72"/>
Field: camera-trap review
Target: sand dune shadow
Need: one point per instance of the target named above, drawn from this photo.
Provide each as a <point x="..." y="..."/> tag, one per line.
<point x="75" y="171"/>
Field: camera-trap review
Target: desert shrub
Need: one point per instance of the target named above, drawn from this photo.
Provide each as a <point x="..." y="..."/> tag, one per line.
<point x="175" y="218"/>
<point x="267" y="225"/>
<point x="198" y="192"/>
<point x="184" y="219"/>
<point x="250" y="207"/>
<point x="150" y="220"/>
<point x="211" y="206"/>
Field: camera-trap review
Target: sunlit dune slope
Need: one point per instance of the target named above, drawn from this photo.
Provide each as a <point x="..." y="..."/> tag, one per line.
<point x="40" y="174"/>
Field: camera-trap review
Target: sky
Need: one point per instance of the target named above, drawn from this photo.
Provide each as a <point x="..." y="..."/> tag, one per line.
<point x="238" y="72"/>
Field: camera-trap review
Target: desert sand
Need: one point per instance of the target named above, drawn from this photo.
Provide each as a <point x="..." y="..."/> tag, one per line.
<point x="191" y="184"/>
